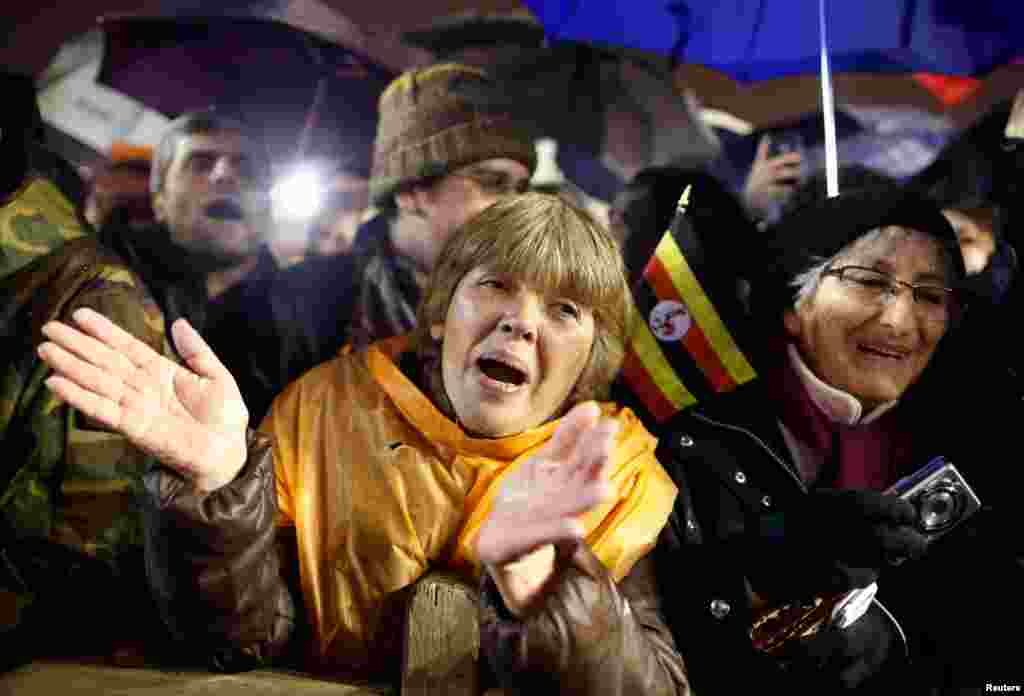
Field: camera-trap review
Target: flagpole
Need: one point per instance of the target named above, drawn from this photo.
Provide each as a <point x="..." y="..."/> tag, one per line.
<point x="828" y="111"/>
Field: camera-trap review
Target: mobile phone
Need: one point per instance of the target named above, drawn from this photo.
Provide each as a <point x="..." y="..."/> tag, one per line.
<point x="784" y="142"/>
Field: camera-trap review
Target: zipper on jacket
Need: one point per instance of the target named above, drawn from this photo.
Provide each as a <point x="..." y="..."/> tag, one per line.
<point x="778" y="460"/>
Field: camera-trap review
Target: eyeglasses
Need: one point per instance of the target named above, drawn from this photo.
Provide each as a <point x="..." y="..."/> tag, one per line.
<point x="494" y="182"/>
<point x="934" y="303"/>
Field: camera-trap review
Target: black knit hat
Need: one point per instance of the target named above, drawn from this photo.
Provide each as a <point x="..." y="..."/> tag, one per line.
<point x="819" y="231"/>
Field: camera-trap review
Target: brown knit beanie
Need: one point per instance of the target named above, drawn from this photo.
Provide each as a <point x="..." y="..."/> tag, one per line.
<point x="428" y="128"/>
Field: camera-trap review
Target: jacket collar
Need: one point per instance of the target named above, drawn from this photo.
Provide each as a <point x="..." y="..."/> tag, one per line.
<point x="749" y="406"/>
<point x="839" y="406"/>
<point x="382" y="359"/>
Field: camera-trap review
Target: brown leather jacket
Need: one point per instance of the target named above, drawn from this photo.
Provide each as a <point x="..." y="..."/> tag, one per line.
<point x="590" y="636"/>
<point x="225" y="577"/>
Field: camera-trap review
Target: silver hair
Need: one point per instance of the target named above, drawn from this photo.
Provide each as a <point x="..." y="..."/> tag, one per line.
<point x="199" y="122"/>
<point x="806" y="282"/>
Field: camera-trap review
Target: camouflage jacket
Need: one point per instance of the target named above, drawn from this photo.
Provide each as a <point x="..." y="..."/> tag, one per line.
<point x="70" y="491"/>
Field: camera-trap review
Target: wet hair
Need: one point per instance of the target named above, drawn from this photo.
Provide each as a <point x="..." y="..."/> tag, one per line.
<point x="552" y="245"/>
<point x="202" y="122"/>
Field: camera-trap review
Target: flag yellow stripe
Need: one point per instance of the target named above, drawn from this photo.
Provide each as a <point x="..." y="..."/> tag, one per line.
<point x="658" y="367"/>
<point x="703" y="312"/>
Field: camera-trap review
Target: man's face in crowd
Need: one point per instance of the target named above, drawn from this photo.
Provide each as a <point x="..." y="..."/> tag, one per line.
<point x="454" y="199"/>
<point x="337" y="227"/>
<point x="214" y="199"/>
<point x="974" y="233"/>
<point x="640" y="217"/>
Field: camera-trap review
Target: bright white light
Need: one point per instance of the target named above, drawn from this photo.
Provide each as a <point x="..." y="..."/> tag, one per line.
<point x="298" y="196"/>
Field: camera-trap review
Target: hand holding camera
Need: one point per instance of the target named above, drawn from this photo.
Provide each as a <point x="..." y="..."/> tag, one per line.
<point x="941" y="496"/>
<point x="834" y="541"/>
<point x="871" y="529"/>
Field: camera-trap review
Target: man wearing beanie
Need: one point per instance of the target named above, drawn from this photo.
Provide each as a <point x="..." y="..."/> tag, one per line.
<point x="782" y="478"/>
<point x="440" y="156"/>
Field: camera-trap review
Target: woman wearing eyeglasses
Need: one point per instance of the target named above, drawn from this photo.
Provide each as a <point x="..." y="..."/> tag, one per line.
<point x="782" y="478"/>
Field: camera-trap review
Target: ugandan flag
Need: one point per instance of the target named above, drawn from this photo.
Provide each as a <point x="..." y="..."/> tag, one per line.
<point x="681" y="351"/>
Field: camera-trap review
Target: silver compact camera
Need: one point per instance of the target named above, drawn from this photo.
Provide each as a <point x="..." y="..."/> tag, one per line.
<point x="943" y="500"/>
<point x="941" y="495"/>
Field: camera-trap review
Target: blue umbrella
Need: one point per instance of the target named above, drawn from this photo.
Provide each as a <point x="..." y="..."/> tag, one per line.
<point x="760" y="39"/>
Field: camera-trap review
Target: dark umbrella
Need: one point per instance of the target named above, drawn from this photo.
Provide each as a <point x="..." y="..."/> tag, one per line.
<point x="308" y="94"/>
<point x="618" y="107"/>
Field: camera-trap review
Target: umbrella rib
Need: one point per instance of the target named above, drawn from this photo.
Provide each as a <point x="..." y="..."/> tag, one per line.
<point x="907" y="23"/>
<point x="572" y="8"/>
<point x="758" y="22"/>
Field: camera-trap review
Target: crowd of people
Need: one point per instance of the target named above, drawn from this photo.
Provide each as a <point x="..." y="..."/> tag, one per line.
<point x="215" y="458"/>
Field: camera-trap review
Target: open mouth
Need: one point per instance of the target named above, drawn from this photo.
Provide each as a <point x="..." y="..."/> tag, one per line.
<point x="225" y="209"/>
<point x="502" y="372"/>
<point x="883" y="352"/>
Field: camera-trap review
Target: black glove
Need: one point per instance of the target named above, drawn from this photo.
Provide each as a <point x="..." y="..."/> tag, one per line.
<point x="830" y="542"/>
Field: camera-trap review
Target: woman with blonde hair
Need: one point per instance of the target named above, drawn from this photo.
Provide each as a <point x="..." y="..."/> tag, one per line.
<point x="473" y="444"/>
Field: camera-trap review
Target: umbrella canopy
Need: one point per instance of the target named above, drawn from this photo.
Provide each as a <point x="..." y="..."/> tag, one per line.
<point x="619" y="107"/>
<point x="760" y="39"/>
<point x="782" y="100"/>
<point x="33" y="32"/>
<point x="306" y="93"/>
<point x="85" y="119"/>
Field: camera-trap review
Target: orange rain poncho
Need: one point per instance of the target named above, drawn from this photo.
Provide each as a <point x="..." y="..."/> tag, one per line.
<point x="381" y="487"/>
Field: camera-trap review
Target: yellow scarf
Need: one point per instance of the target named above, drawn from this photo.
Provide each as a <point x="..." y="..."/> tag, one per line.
<point x="381" y="486"/>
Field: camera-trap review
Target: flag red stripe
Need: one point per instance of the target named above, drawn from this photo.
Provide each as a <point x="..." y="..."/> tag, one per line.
<point x="657" y="277"/>
<point x="695" y="342"/>
<point x="707" y="359"/>
<point x="656" y="402"/>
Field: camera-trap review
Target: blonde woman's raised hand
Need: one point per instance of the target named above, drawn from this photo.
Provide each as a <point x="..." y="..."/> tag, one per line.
<point x="191" y="418"/>
<point x="539" y="503"/>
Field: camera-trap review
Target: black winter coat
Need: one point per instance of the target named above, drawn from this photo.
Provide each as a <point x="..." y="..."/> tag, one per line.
<point x="939" y="623"/>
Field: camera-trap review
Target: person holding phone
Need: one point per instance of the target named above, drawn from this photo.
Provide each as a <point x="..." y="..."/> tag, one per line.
<point x="774" y="175"/>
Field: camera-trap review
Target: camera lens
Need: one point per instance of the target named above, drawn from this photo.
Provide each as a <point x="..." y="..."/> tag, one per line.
<point x="939" y="508"/>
